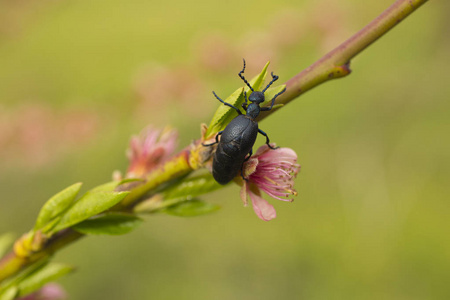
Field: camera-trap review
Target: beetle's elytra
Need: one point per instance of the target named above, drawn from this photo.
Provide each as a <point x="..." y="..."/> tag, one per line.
<point x="237" y="139"/>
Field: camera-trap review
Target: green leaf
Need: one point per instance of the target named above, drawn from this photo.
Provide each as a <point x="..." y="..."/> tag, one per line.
<point x="9" y="294"/>
<point x="42" y="276"/>
<point x="258" y="81"/>
<point x="192" y="187"/>
<point x="224" y="114"/>
<point x="106" y="187"/>
<point x="182" y="191"/>
<point x="112" y="185"/>
<point x="49" y="227"/>
<point x="19" y="277"/>
<point x="128" y="180"/>
<point x="271" y="92"/>
<point x="110" y="223"/>
<point x="92" y="203"/>
<point x="6" y="241"/>
<point x="191" y="208"/>
<point x="56" y="205"/>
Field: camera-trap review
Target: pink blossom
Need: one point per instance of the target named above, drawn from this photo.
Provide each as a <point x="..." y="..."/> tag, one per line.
<point x="50" y="291"/>
<point x="271" y="171"/>
<point x="151" y="148"/>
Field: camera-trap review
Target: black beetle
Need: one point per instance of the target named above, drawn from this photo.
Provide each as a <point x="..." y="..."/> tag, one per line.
<point x="240" y="134"/>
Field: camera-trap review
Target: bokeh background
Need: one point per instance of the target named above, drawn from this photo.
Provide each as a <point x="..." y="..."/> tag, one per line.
<point x="78" y="78"/>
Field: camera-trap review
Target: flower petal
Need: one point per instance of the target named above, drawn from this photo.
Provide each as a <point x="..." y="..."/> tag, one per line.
<point x="263" y="149"/>
<point x="262" y="208"/>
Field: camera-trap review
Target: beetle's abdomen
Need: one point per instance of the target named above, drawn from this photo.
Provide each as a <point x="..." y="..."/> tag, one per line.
<point x="225" y="167"/>
<point x="235" y="143"/>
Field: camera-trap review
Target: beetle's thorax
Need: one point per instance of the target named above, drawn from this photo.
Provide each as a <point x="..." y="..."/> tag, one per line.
<point x="253" y="110"/>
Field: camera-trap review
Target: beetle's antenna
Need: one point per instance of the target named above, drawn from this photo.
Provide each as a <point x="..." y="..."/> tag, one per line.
<point x="243" y="78"/>
<point x="274" y="78"/>
<point x="228" y="104"/>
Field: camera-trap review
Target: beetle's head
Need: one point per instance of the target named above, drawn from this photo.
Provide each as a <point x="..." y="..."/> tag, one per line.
<point x="256" y="97"/>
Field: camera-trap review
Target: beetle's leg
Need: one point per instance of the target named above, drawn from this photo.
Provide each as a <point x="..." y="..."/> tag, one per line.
<point x="242" y="167"/>
<point x="267" y="139"/>
<point x="243" y="78"/>
<point x="249" y="155"/>
<point x="274" y="78"/>
<point x="244" y="105"/>
<point x="228" y="104"/>
<point x="265" y="108"/>
<point x="242" y="174"/>
<point x="217" y="139"/>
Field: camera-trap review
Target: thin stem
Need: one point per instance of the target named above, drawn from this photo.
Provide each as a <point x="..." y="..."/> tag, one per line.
<point x="336" y="63"/>
<point x="175" y="168"/>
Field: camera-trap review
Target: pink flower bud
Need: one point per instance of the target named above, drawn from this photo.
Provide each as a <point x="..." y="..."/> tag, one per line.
<point x="151" y="148"/>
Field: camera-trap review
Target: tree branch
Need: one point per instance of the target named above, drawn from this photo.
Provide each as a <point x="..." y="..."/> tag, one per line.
<point x="336" y="63"/>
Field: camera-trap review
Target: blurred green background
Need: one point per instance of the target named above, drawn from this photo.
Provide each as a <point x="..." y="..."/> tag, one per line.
<point x="78" y="78"/>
